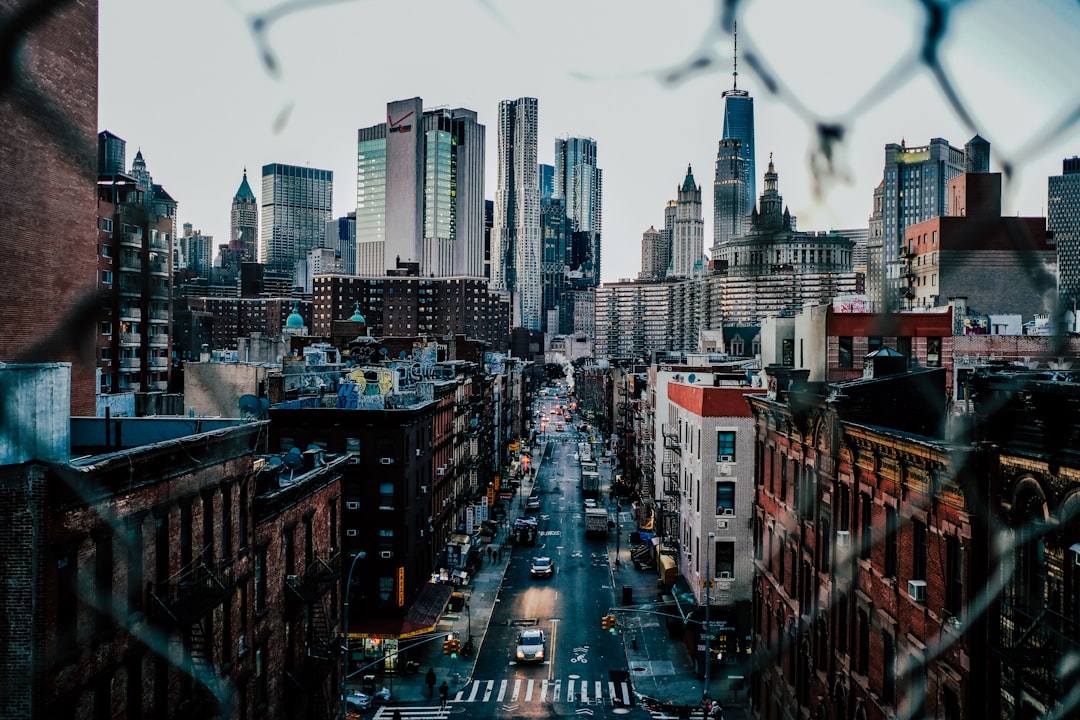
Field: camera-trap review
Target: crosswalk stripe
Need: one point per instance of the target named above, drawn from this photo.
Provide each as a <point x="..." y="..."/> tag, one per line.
<point x="513" y="690"/>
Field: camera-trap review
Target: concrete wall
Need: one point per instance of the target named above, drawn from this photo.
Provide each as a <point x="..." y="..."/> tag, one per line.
<point x="34" y="415"/>
<point x="215" y="389"/>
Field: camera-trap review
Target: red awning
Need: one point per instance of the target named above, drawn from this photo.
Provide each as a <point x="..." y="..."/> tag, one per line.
<point x="426" y="610"/>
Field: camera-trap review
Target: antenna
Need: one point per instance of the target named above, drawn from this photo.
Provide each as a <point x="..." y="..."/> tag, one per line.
<point x="735" y="71"/>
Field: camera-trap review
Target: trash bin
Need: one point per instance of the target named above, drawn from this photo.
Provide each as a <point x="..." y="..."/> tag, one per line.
<point x="627" y="595"/>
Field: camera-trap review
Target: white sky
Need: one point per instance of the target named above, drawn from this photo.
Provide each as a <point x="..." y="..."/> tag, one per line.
<point x="183" y="81"/>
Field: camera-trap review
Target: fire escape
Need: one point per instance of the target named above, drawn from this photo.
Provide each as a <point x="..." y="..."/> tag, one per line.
<point x="308" y="595"/>
<point x="183" y="606"/>
<point x="669" y="468"/>
<point x="647" y="447"/>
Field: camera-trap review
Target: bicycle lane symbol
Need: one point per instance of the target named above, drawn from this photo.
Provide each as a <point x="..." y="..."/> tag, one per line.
<point x="579" y="655"/>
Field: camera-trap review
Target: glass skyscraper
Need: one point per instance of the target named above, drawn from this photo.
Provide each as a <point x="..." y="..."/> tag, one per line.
<point x="738" y="125"/>
<point x="297" y="203"/>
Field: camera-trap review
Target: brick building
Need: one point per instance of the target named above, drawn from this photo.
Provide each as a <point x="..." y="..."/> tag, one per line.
<point x="872" y="545"/>
<point x="47" y="237"/>
<point x="147" y="566"/>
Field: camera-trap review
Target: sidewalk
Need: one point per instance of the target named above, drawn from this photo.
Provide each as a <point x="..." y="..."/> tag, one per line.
<point x="661" y="667"/>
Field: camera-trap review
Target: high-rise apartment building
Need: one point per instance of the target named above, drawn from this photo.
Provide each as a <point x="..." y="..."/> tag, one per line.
<point x="1063" y="221"/>
<point x="515" y="238"/>
<point x="420" y="191"/>
<point x="556" y="238"/>
<point x="244" y="223"/>
<point x="136" y="224"/>
<point x="731" y="213"/>
<point x="913" y="190"/>
<point x="688" y="237"/>
<point x="197" y="251"/>
<point x="341" y="236"/>
<point x="297" y="202"/>
<point x="739" y="125"/>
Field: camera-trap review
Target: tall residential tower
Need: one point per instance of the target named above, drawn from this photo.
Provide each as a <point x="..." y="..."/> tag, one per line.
<point x="297" y="203"/>
<point x="515" y="235"/>
<point x="1063" y="220"/>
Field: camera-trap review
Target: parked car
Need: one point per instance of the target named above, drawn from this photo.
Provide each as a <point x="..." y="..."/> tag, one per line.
<point x="542" y="567"/>
<point x="590" y="503"/>
<point x="533" y="503"/>
<point x="530" y="646"/>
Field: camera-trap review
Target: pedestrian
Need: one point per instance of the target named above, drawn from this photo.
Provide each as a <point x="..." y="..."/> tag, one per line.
<point x="500" y="553"/>
<point x="491" y="553"/>
<point x="396" y="715"/>
<point x="444" y="694"/>
<point x="429" y="679"/>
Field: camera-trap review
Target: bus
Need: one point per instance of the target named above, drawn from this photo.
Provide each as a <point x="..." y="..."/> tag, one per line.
<point x="585" y="452"/>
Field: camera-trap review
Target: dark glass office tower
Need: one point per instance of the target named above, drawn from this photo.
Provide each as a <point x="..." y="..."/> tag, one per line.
<point x="739" y="125"/>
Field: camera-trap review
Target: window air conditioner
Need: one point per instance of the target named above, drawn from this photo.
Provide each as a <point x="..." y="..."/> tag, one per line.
<point x="729" y="511"/>
<point x="721" y="524"/>
<point x="440" y="471"/>
<point x="293" y="580"/>
<point x="725" y="575"/>
<point x="386" y="554"/>
<point x="352" y="505"/>
<point x="727" y="458"/>
<point x="843" y="538"/>
<point x="423" y="489"/>
<point x="419" y="452"/>
<point x="386" y="461"/>
<point x="351" y="532"/>
<point x="916" y="590"/>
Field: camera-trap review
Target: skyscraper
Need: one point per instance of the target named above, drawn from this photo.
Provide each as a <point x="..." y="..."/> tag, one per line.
<point x="688" y="241"/>
<point x="739" y="125"/>
<point x="579" y="181"/>
<point x="731" y="213"/>
<point x="515" y="235"/>
<point x="655" y="255"/>
<point x="1063" y="220"/>
<point x="297" y="203"/>
<point x="914" y="188"/>
<point x="244" y="223"/>
<point x="420" y="191"/>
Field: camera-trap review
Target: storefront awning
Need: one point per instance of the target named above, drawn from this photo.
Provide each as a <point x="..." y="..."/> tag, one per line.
<point x="426" y="610"/>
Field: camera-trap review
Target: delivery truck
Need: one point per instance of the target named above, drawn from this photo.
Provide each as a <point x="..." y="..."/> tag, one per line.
<point x="596" y="521"/>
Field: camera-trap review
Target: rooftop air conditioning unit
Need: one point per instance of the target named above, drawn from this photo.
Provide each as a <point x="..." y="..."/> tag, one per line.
<point x="916" y="590"/>
<point x="386" y="461"/>
<point x="727" y="458"/>
<point x="843" y="538"/>
<point x="386" y="554"/>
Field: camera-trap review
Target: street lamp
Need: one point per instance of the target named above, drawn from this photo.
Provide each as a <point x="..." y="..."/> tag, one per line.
<point x="345" y="632"/>
<point x="708" y="626"/>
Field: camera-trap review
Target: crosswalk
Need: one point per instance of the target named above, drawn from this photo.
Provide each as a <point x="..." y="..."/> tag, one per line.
<point x="694" y="714"/>
<point x="573" y="690"/>
<point x="513" y="693"/>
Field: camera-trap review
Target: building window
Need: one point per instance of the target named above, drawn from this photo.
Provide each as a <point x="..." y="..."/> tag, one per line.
<point x="725" y="559"/>
<point x="872" y="344"/>
<point x="933" y="352"/>
<point x="106" y="224"/>
<point x="103" y="581"/>
<point x="106" y="277"/>
<point x="954" y="578"/>
<point x="386" y="496"/>
<point x="918" y="550"/>
<point x="888" y="667"/>
<point x="846" y="352"/>
<point x="891" y="530"/>
<point x="725" y="445"/>
<point x="106" y="327"/>
<point x="260" y="580"/>
<point x="725" y="498"/>
<point x="864" y="643"/>
<point x="866" y="527"/>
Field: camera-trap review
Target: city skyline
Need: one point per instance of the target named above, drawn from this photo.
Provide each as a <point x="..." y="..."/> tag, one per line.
<point x="617" y="92"/>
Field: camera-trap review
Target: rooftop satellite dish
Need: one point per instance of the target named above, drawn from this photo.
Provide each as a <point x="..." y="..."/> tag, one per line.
<point x="275" y="461"/>
<point x="313" y="446"/>
<point x="250" y="407"/>
<point x="691" y="378"/>
<point x="402" y="355"/>
<point x="294" y="451"/>
<point x="293" y="461"/>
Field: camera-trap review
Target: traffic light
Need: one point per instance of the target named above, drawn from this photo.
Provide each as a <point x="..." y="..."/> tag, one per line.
<point x="455" y="645"/>
<point x="608" y="623"/>
<point x="447" y="644"/>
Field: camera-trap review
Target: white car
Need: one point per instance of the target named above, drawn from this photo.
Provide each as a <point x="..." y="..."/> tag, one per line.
<point x="542" y="567"/>
<point x="590" y="503"/>
<point x="533" y="503"/>
<point x="530" y="646"/>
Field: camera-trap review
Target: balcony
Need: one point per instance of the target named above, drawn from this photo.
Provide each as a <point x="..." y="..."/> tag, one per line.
<point x="159" y="341"/>
<point x="129" y="264"/>
<point x="130" y="339"/>
<point x="130" y="313"/>
<point x="159" y="268"/>
<point x="131" y="239"/>
<point x="158" y="243"/>
<point x="130" y="363"/>
<point x="159" y="385"/>
<point x="670" y="470"/>
<point x="133" y="289"/>
<point x="158" y="364"/>
<point x="193" y="592"/>
<point x="159" y="316"/>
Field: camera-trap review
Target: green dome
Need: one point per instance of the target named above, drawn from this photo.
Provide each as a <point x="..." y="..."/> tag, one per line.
<point x="357" y="317"/>
<point x="294" y="320"/>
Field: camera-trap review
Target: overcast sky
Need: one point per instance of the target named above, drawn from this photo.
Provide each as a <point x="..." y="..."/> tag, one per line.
<point x="185" y="81"/>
